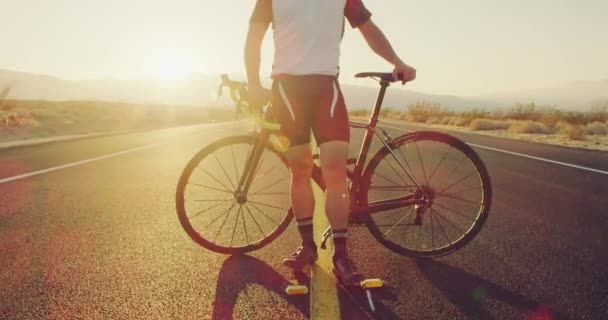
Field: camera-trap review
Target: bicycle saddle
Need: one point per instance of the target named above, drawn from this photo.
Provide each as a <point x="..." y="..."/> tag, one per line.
<point x="383" y="76"/>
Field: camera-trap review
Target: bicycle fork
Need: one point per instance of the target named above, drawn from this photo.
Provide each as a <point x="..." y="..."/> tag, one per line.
<point x="251" y="167"/>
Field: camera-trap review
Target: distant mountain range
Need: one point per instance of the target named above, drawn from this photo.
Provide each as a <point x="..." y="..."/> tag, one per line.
<point x="200" y="89"/>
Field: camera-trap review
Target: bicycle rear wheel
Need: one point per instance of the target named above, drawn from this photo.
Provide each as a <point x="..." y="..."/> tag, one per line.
<point x="218" y="217"/>
<point x="450" y="177"/>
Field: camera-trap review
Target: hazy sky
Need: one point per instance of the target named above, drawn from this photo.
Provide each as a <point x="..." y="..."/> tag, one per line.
<point x="464" y="47"/>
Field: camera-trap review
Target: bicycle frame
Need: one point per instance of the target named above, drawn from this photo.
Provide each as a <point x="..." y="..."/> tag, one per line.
<point x="357" y="210"/>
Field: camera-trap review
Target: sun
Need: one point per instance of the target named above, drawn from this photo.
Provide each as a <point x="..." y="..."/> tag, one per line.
<point x="170" y="66"/>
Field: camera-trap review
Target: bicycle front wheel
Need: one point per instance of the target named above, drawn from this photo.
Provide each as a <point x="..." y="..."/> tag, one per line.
<point x="446" y="175"/>
<point x="216" y="214"/>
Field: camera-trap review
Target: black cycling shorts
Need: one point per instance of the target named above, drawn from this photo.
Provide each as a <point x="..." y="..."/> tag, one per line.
<point x="310" y="102"/>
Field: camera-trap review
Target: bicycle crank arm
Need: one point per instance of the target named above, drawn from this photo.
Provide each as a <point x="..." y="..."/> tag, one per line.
<point x="326" y="236"/>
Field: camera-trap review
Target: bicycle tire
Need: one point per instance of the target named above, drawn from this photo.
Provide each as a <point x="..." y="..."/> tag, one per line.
<point x="185" y="220"/>
<point x="452" y="142"/>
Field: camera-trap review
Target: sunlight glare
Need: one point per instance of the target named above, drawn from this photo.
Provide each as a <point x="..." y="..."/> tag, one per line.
<point x="173" y="65"/>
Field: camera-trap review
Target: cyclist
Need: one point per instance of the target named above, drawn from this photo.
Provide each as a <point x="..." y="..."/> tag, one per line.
<point x="306" y="96"/>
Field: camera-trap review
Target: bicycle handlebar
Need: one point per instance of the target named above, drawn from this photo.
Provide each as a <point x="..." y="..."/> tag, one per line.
<point x="238" y="94"/>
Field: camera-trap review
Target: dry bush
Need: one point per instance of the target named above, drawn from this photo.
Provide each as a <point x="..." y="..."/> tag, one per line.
<point x="432" y="120"/>
<point x="460" y="122"/>
<point x="447" y="120"/>
<point x="467" y="116"/>
<point x="523" y="111"/>
<point x="596" y="128"/>
<point x="423" y="110"/>
<point x="572" y="131"/>
<point x="359" y="112"/>
<point x="527" y="126"/>
<point x="488" y="124"/>
<point x="14" y="119"/>
<point x="550" y="116"/>
<point x="598" y="112"/>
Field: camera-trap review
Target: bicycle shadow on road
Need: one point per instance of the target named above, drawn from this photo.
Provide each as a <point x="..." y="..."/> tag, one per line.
<point x="237" y="274"/>
<point x="468" y="292"/>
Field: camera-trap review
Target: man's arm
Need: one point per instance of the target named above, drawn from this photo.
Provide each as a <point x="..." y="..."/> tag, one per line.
<point x="378" y="42"/>
<point x="253" y="48"/>
<point x="258" y="24"/>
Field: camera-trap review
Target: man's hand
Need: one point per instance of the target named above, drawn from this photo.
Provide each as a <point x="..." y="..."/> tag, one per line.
<point x="409" y="73"/>
<point x="258" y="97"/>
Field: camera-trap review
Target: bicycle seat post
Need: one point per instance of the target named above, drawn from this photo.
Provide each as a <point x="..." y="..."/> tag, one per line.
<point x="373" y="120"/>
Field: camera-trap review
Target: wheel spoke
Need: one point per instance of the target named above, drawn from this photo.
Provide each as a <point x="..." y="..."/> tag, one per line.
<point x="217" y="218"/>
<point x="208" y="187"/>
<point x="255" y="221"/>
<point x="442" y="229"/>
<point x="440" y="162"/>
<point x="214" y="178"/>
<point x="200" y="200"/>
<point x="457" y="165"/>
<point x="442" y="195"/>
<point x="236" y="171"/>
<point x="264" y="174"/>
<point x="432" y="235"/>
<point x="268" y="193"/>
<point x="214" y="206"/>
<point x="223" y="223"/>
<point x="244" y="224"/>
<point x="457" y="182"/>
<point x="448" y="221"/>
<point x="431" y="162"/>
<point x="421" y="162"/>
<point x="224" y="170"/>
<point x="236" y="222"/>
<point x="452" y="211"/>
<point x="262" y="212"/>
<point x="398" y="222"/>
<point x="266" y="205"/>
<point x="269" y="185"/>
<point x="411" y="171"/>
<point x="396" y="173"/>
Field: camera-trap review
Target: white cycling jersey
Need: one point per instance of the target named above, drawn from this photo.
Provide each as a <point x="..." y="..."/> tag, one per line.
<point x="308" y="33"/>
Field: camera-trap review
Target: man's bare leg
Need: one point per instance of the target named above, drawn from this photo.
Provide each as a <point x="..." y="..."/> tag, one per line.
<point x="334" y="155"/>
<point x="303" y="204"/>
<point x="333" y="164"/>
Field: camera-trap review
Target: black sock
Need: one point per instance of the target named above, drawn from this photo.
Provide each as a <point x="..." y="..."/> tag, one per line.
<point x="340" y="236"/>
<point x="305" y="228"/>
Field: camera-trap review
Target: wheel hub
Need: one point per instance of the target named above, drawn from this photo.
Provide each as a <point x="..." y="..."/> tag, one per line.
<point x="240" y="197"/>
<point x="427" y="194"/>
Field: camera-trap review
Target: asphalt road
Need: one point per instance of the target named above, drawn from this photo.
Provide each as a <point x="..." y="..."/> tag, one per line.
<point x="101" y="240"/>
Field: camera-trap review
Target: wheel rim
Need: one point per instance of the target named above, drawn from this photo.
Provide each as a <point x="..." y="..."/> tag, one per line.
<point x="216" y="213"/>
<point x="451" y="185"/>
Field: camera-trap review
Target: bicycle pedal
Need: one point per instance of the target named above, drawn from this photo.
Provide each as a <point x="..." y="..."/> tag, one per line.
<point x="296" y="290"/>
<point x="372" y="283"/>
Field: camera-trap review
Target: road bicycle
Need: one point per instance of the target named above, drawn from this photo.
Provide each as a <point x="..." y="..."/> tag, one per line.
<point x="421" y="194"/>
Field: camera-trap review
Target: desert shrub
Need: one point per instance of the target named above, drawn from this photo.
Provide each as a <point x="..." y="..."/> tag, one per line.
<point x="446" y="120"/>
<point x="572" y="131"/>
<point x="388" y="112"/>
<point x="14" y="119"/>
<point x="359" y="112"/>
<point x="527" y="126"/>
<point x="488" y="124"/>
<point x="423" y="110"/>
<point x="467" y="116"/>
<point x="523" y="111"/>
<point x="432" y="120"/>
<point x="460" y="122"/>
<point x="598" y="112"/>
<point x="573" y="117"/>
<point x="596" y="128"/>
<point x="550" y="116"/>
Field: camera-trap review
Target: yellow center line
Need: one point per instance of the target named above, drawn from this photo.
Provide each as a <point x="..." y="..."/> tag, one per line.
<point x="324" y="303"/>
